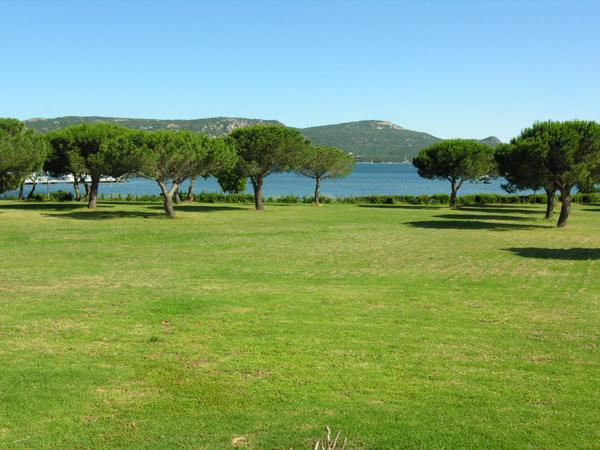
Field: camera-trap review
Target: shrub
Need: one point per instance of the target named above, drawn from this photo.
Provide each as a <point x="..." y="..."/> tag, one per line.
<point x="61" y="196"/>
<point x="434" y="199"/>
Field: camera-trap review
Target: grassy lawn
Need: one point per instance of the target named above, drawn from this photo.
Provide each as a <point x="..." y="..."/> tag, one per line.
<point x="405" y="327"/>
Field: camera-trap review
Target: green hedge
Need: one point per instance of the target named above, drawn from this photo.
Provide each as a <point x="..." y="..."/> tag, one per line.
<point x="435" y="199"/>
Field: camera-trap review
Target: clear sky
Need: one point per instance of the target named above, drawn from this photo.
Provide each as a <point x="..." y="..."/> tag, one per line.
<point x="450" y="68"/>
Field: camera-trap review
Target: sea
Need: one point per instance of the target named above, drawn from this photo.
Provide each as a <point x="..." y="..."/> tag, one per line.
<point x="366" y="179"/>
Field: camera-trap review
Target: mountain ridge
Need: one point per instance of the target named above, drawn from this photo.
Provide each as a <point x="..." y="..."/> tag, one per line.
<point x="368" y="140"/>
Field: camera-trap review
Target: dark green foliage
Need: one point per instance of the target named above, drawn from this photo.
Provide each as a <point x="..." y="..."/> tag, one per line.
<point x="176" y="156"/>
<point x="56" y="196"/>
<point x="96" y="150"/>
<point x="321" y="163"/>
<point x="560" y="155"/>
<point x="105" y="149"/>
<point x="264" y="149"/>
<point x="61" y="196"/>
<point x="325" y="162"/>
<point x="434" y="199"/>
<point x="59" y="159"/>
<point x="170" y="157"/>
<point x="22" y="152"/>
<point x="457" y="161"/>
<point x="11" y="127"/>
<point x="522" y="166"/>
<point x="232" y="181"/>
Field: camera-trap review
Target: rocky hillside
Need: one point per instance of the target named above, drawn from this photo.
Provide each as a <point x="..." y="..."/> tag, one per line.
<point x="369" y="140"/>
<point x="376" y="140"/>
<point x="216" y="126"/>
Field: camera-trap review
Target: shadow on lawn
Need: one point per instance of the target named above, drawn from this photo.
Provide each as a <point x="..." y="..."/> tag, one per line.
<point x="471" y="225"/>
<point x="91" y="214"/>
<point x="201" y="208"/>
<point x="402" y="206"/>
<point x="573" y="254"/>
<point x="502" y="210"/>
<point x="481" y="217"/>
<point x="48" y="206"/>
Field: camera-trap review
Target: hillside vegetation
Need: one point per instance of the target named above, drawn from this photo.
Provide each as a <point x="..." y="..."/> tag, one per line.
<point x="216" y="126"/>
<point x="368" y="140"/>
<point x="376" y="140"/>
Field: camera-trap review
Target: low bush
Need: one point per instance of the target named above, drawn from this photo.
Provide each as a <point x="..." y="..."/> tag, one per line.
<point x="434" y="199"/>
<point x="61" y="196"/>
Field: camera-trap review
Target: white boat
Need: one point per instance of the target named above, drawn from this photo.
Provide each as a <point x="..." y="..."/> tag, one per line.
<point x="406" y="160"/>
<point x="44" y="179"/>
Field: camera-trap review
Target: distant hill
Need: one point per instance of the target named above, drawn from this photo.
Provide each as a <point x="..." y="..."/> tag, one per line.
<point x="492" y="141"/>
<point x="376" y="140"/>
<point x="216" y="126"/>
<point x="368" y="140"/>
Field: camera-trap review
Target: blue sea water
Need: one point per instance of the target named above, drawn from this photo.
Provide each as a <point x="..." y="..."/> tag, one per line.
<point x="367" y="179"/>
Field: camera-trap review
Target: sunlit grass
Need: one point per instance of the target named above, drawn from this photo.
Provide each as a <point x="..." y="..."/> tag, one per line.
<point x="401" y="326"/>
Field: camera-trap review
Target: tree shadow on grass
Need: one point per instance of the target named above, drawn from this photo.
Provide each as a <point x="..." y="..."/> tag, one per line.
<point x="481" y="217"/>
<point x="36" y="206"/>
<point x="401" y="206"/>
<point x="573" y="254"/>
<point x="129" y="203"/>
<point x="90" y="214"/>
<point x="471" y="225"/>
<point x="502" y="209"/>
<point x="201" y="208"/>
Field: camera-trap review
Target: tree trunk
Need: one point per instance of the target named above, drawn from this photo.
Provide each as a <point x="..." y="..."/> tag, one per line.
<point x="30" y="195"/>
<point x="76" y="189"/>
<point x="168" y="198"/>
<point x="257" y="186"/>
<point x="453" y="194"/>
<point x="21" y="196"/>
<point x="86" y="186"/>
<point x="93" y="192"/>
<point x="318" y="191"/>
<point x="550" y="194"/>
<point x="565" y="207"/>
<point x="177" y="197"/>
<point x="168" y="204"/>
<point x="190" y="192"/>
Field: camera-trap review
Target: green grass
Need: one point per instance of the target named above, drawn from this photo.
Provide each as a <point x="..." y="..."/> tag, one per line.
<point x="405" y="327"/>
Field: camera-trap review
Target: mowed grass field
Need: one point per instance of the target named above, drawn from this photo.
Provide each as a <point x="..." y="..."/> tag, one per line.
<point x="404" y="327"/>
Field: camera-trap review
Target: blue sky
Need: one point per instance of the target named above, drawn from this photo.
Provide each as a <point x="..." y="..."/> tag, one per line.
<point x="450" y="68"/>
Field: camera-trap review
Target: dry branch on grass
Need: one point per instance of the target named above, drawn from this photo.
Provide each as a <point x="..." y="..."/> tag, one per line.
<point x="331" y="444"/>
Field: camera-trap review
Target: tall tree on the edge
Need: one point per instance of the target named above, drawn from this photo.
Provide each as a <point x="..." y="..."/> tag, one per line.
<point x="22" y="152"/>
<point x="566" y="153"/>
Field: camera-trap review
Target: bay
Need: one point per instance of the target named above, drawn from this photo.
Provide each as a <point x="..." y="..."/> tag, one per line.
<point x="367" y="179"/>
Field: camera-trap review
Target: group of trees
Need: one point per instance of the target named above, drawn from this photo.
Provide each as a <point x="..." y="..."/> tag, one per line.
<point x="553" y="156"/>
<point x="556" y="157"/>
<point x="89" y="152"/>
